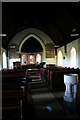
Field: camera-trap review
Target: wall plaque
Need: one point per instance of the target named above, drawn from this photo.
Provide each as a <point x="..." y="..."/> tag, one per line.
<point x="50" y="52"/>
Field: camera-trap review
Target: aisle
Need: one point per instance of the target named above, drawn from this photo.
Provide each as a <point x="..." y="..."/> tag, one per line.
<point x="44" y="103"/>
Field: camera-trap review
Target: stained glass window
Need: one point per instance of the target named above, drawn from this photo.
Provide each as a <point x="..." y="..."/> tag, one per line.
<point x="38" y="58"/>
<point x="23" y="59"/>
<point x="31" y="59"/>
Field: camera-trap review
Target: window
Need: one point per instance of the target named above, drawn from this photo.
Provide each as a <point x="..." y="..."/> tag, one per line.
<point x="31" y="59"/>
<point x="23" y="59"/>
<point x="60" y="58"/>
<point x="38" y="58"/>
<point x="4" y="60"/>
<point x="11" y="62"/>
<point x="73" y="57"/>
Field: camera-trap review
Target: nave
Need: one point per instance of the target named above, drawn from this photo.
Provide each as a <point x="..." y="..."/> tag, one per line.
<point x="49" y="105"/>
<point x="25" y="94"/>
<point x="41" y="39"/>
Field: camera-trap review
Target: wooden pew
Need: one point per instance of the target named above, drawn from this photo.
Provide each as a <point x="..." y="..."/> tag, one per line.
<point x="43" y="73"/>
<point x="33" y="74"/>
<point x="12" y="100"/>
<point x="78" y="99"/>
<point x="11" y="104"/>
<point x="13" y="94"/>
<point x="55" y="76"/>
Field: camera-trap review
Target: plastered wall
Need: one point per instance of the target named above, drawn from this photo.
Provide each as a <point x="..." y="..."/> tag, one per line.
<point x="66" y="61"/>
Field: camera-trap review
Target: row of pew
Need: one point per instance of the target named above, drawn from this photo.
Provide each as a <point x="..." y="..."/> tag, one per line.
<point x="78" y="99"/>
<point x="14" y="94"/>
<point x="15" y="84"/>
<point x="54" y="78"/>
<point x="33" y="74"/>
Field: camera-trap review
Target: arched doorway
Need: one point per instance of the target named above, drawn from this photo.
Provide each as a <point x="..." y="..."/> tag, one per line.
<point x="73" y="57"/>
<point x="60" y="58"/>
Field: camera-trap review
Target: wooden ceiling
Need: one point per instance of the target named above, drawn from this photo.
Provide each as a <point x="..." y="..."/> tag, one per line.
<point x="57" y="19"/>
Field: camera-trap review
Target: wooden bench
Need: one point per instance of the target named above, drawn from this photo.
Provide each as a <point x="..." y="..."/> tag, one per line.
<point x="33" y="74"/>
<point x="55" y="76"/>
<point x="78" y="99"/>
<point x="12" y="105"/>
<point x="13" y="94"/>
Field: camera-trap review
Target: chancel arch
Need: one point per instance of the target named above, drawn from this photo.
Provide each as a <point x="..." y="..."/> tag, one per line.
<point x="39" y="41"/>
<point x="31" y="47"/>
<point x="39" y="35"/>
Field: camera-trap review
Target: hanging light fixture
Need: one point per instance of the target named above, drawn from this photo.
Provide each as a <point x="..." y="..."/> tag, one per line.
<point x="2" y="35"/>
<point x="74" y="35"/>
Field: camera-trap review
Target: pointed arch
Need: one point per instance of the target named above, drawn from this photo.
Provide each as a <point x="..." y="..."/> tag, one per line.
<point x="29" y="36"/>
<point x="39" y="35"/>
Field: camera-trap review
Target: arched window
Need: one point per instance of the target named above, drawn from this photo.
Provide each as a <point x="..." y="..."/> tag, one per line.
<point x="73" y="57"/>
<point x="60" y="58"/>
<point x="4" y="60"/>
<point x="11" y="62"/>
<point x="38" y="58"/>
<point x="31" y="59"/>
<point x="23" y="59"/>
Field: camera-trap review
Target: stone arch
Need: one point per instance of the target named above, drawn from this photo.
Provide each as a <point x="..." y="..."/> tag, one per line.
<point x="37" y="38"/>
<point x="27" y="37"/>
<point x="23" y="35"/>
<point x="29" y="31"/>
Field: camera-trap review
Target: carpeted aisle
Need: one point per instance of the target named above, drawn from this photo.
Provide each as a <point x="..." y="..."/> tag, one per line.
<point x="44" y="103"/>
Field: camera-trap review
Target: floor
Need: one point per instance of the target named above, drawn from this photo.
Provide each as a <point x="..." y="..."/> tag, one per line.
<point x="45" y="104"/>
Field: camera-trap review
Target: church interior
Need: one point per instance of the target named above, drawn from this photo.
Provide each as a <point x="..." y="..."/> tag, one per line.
<point x="40" y="61"/>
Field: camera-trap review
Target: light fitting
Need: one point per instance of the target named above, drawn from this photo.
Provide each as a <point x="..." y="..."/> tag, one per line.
<point x="74" y="35"/>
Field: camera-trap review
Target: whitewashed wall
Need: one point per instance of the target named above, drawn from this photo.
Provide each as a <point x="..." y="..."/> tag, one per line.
<point x="0" y="63"/>
<point x="66" y="61"/>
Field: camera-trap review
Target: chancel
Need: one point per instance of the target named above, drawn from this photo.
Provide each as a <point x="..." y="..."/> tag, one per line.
<point x="40" y="60"/>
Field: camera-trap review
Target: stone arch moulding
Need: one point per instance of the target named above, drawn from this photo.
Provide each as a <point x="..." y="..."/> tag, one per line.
<point x="17" y="39"/>
<point x="27" y="37"/>
<point x="23" y="35"/>
<point x="37" y="38"/>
